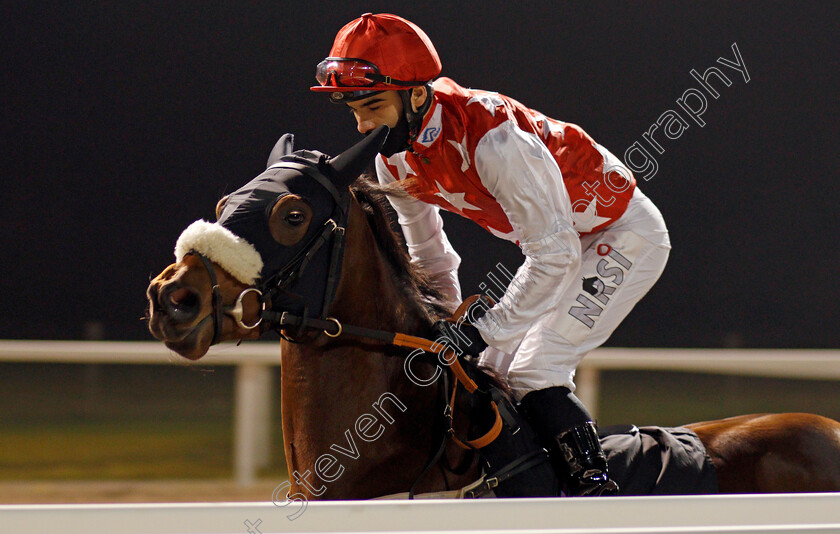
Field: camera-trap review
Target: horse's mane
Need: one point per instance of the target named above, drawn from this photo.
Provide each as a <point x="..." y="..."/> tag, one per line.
<point x="373" y="198"/>
<point x="414" y="281"/>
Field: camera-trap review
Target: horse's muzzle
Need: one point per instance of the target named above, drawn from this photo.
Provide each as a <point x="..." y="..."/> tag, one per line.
<point x="172" y="308"/>
<point x="182" y="304"/>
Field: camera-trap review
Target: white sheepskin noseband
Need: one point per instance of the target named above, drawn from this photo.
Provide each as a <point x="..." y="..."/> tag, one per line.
<point x="220" y="245"/>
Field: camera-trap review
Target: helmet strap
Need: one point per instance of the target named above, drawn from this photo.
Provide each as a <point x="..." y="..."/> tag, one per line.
<point x="415" y="118"/>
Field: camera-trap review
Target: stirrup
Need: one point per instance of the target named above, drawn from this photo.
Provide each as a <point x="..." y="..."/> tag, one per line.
<point x="593" y="483"/>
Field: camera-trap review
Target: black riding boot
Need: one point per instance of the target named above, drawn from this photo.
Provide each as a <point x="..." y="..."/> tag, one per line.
<point x="567" y="430"/>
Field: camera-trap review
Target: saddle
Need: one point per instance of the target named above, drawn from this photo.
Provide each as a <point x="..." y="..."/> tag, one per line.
<point x="643" y="461"/>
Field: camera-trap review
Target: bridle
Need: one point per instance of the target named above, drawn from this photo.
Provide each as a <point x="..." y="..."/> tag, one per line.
<point x="333" y="232"/>
<point x="219" y="309"/>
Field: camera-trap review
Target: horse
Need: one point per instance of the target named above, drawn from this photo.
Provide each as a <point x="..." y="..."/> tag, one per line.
<point x="308" y="250"/>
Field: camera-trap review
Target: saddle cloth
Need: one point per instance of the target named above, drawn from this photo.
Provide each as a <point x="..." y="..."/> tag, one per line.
<point x="652" y="460"/>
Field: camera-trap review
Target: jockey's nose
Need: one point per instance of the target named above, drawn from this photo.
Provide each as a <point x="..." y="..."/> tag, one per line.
<point x="366" y="126"/>
<point x="181" y="304"/>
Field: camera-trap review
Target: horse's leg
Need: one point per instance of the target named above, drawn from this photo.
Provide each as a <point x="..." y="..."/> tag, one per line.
<point x="773" y="453"/>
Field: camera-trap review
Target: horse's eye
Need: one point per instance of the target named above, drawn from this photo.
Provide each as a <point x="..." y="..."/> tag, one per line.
<point x="295" y="218"/>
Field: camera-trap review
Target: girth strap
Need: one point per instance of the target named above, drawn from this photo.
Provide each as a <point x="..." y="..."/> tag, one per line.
<point x="520" y="465"/>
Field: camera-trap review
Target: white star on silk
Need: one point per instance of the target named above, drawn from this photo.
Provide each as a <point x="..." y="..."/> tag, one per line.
<point x="462" y="149"/>
<point x="456" y="199"/>
<point x="489" y="100"/>
<point x="402" y="166"/>
<point x="586" y="220"/>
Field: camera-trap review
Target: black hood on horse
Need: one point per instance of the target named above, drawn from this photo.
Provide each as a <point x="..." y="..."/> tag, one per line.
<point x="321" y="181"/>
<point x="246" y="211"/>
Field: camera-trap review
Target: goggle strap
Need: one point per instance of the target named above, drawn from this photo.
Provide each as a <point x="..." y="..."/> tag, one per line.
<point x="387" y="80"/>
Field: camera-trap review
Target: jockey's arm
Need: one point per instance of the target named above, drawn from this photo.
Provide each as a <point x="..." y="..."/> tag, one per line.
<point x="427" y="243"/>
<point x="519" y="171"/>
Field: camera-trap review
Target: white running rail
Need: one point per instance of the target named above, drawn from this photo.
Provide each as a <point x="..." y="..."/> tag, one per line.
<point x="750" y="514"/>
<point x="254" y="386"/>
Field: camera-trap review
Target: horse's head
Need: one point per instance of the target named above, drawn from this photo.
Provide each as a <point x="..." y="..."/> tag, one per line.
<point x="229" y="275"/>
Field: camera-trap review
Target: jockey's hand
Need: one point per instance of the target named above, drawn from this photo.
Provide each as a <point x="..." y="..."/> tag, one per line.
<point x="459" y="334"/>
<point x="464" y="338"/>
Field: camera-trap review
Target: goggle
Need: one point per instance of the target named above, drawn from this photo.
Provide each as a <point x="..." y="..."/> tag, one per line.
<point x="350" y="72"/>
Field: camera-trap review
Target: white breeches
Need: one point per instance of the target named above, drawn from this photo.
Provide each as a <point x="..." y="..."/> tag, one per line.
<point x="619" y="265"/>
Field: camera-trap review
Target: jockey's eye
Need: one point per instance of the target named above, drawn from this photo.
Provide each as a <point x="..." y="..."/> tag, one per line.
<point x="296" y="218"/>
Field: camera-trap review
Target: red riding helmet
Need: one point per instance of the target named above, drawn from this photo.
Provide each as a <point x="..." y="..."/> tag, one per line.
<point x="377" y="53"/>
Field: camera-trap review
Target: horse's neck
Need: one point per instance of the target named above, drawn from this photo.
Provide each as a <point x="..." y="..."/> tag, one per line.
<point x="352" y="406"/>
<point x="369" y="293"/>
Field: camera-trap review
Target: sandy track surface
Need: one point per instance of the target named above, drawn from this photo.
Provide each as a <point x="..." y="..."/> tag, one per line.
<point x="133" y="491"/>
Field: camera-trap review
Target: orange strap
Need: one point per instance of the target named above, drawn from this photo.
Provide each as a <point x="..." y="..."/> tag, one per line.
<point x="469" y="384"/>
<point x="404" y="340"/>
<point x="484" y="440"/>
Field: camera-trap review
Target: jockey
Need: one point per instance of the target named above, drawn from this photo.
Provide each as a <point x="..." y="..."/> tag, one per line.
<point x="593" y="243"/>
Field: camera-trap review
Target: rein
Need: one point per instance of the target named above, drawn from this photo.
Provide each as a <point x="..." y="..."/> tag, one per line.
<point x="333" y="232"/>
<point x="333" y="228"/>
<point x="332" y="327"/>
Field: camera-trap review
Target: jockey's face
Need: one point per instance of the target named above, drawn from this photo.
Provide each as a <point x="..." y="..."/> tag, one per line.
<point x="382" y="108"/>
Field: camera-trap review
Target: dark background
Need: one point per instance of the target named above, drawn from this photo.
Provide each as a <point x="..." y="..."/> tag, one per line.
<point x="123" y="122"/>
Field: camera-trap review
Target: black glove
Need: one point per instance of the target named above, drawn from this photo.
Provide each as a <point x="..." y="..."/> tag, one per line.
<point x="463" y="337"/>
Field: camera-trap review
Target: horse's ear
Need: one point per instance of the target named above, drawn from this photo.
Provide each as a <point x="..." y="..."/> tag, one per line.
<point x="348" y="165"/>
<point x="220" y="205"/>
<point x="283" y="147"/>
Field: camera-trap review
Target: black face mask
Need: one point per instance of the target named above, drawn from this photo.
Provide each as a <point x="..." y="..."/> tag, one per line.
<point x="397" y="140"/>
<point x="247" y="212"/>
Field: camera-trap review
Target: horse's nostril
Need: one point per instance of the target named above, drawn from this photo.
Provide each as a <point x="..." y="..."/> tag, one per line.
<point x="180" y="303"/>
<point x="183" y="298"/>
